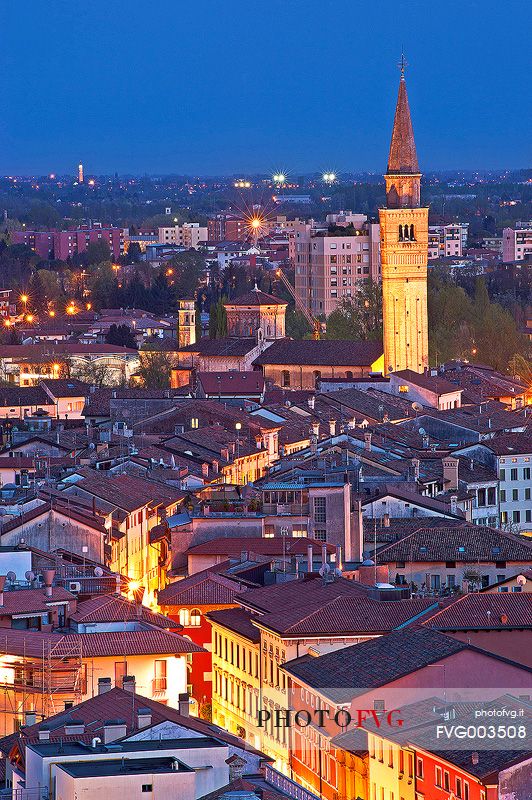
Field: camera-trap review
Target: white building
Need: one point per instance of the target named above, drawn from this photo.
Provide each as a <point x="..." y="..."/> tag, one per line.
<point x="189" y="235"/>
<point x="448" y="241"/>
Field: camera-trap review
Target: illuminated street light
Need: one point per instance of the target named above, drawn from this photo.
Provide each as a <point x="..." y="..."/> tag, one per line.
<point x="29" y="318"/>
<point x="255" y="223"/>
<point x="7" y="323"/>
<point x="51" y="313"/>
<point x="279" y="178"/>
<point x="71" y="308"/>
<point x="329" y="177"/>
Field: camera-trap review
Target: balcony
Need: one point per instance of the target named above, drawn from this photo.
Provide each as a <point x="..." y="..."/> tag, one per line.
<point x="286" y="509"/>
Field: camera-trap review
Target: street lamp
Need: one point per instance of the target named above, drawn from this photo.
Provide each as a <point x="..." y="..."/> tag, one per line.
<point x="24" y="299"/>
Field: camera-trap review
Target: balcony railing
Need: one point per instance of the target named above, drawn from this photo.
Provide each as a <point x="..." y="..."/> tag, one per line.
<point x="159" y="684"/>
<point x="284" y="784"/>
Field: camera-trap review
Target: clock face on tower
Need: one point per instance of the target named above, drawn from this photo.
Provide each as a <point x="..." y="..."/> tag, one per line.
<point x="404" y="250"/>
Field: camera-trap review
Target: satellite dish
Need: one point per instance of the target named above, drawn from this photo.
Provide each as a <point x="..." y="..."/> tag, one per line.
<point x="11" y="576"/>
<point x="324" y="570"/>
<point x="521" y="580"/>
<point x="368" y="562"/>
<point x="98" y="571"/>
<point x="30" y="576"/>
<point x="417" y="406"/>
<point x="422" y="431"/>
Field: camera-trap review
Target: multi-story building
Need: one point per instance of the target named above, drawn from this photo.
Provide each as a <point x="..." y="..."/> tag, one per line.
<point x="5" y="303"/>
<point x="228" y="228"/>
<point x="329" y="266"/>
<point x="448" y="241"/>
<point x="510" y="455"/>
<point x="65" y="244"/>
<point x="517" y="243"/>
<point x="189" y="235"/>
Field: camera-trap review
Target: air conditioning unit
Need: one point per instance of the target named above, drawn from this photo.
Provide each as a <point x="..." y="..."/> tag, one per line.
<point x="74" y="586"/>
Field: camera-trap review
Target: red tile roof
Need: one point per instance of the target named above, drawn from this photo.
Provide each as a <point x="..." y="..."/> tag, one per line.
<point x="237" y="620"/>
<point x="345" y="615"/>
<point x="498" y="611"/>
<point x="129" y="492"/>
<point x="231" y="382"/>
<point x="117" y="704"/>
<point x="112" y="608"/>
<point x="152" y="641"/>
<point x="309" y="591"/>
<point x="205" y="588"/>
<point x="275" y="546"/>
<point x="325" y="352"/>
<point x="471" y="543"/>
<point x="67" y="511"/>
<point x="27" y="601"/>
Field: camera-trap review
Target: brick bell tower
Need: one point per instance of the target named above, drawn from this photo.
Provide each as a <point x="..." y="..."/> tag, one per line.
<point x="404" y="249"/>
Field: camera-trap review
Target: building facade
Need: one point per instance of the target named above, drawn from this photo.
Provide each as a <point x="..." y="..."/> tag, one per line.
<point x="404" y="250"/>
<point x="517" y="244"/>
<point x="63" y="245"/>
<point x="188" y="235"/>
<point x="448" y="241"/>
<point x="329" y="266"/>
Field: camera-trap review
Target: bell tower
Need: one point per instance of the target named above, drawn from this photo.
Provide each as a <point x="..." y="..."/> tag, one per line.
<point x="404" y="249"/>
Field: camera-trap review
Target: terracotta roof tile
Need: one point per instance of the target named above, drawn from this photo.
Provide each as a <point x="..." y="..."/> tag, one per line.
<point x="445" y="544"/>
<point x="112" y="608"/>
<point x="238" y="620"/>
<point x="497" y="611"/>
<point x="325" y="352"/>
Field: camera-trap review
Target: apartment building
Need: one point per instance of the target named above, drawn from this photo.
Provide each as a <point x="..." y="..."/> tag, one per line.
<point x="189" y="235"/>
<point x="517" y="243"/>
<point x="65" y="244"/>
<point x="329" y="265"/>
<point x="448" y="241"/>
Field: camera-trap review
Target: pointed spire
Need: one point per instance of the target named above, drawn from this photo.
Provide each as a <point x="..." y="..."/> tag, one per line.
<point x="403" y="156"/>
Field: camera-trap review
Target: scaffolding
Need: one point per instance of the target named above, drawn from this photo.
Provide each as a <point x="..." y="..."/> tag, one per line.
<point x="43" y="684"/>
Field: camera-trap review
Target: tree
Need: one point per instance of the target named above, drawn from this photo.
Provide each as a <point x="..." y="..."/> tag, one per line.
<point x="104" y="286"/>
<point x="358" y="317"/>
<point x="133" y="253"/>
<point x="154" y="370"/>
<point x="97" y="252"/>
<point x="297" y="326"/>
<point x="121" y="335"/>
<point x="218" y="319"/>
<point x="162" y="298"/>
<point x="185" y="270"/>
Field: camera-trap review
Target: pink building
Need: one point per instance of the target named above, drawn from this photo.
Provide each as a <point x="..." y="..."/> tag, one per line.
<point x="64" y="244"/>
<point x="516" y="244"/>
<point x="328" y="267"/>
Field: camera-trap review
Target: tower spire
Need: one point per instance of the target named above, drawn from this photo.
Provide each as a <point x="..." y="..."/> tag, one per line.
<point x="403" y="157"/>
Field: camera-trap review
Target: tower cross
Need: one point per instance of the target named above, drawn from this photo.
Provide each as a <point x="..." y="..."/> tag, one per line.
<point x="402" y="65"/>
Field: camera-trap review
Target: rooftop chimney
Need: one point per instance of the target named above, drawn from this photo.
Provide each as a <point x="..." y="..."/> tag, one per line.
<point x="44" y="734"/>
<point x="129" y="684"/>
<point x="144" y="716"/>
<point x="184" y="704"/>
<point x="104" y="685"/>
<point x="311" y="401"/>
<point x="415" y="466"/>
<point x="367" y="441"/>
<point x="30" y="717"/>
<point x="454" y="504"/>
<point x="310" y="557"/>
<point x="332" y="427"/>
<point x="324" y="554"/>
<point x="48" y="576"/>
<point x="114" y="729"/>
<point x="2" y="584"/>
<point x="386" y="520"/>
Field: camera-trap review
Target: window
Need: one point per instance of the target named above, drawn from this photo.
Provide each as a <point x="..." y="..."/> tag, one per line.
<point x="349" y="375"/>
<point x="446" y="781"/>
<point x="120" y="672"/>
<point x="147" y="787"/>
<point x="317" y="375"/>
<point x="458" y="787"/>
<point x="159" y="681"/>
<point x="502" y="474"/>
<point x="516" y="516"/>
<point x="514" y="473"/>
<point x="195" y="617"/>
<point x="526" y="473"/>
<point x="527" y="494"/>
<point x="419" y="768"/>
<point x="492" y="496"/>
<point x="439" y="777"/>
<point x="184" y="617"/>
<point x="320" y="535"/>
<point x="515" y="494"/>
<point x="503" y="495"/>
<point x="320" y="512"/>
<point x="285" y="377"/>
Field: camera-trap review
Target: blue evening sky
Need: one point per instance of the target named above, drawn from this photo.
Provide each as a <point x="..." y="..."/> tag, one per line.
<point x="236" y="86"/>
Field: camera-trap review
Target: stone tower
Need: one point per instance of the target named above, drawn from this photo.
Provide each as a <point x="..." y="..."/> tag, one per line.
<point x="404" y="250"/>
<point x="186" y="323"/>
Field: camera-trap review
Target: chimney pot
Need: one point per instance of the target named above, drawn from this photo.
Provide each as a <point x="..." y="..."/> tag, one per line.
<point x="184" y="704"/>
<point x="104" y="685"/>
<point x="129" y="684"/>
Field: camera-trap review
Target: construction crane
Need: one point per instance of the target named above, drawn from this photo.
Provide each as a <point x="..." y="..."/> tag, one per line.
<point x="315" y="324"/>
